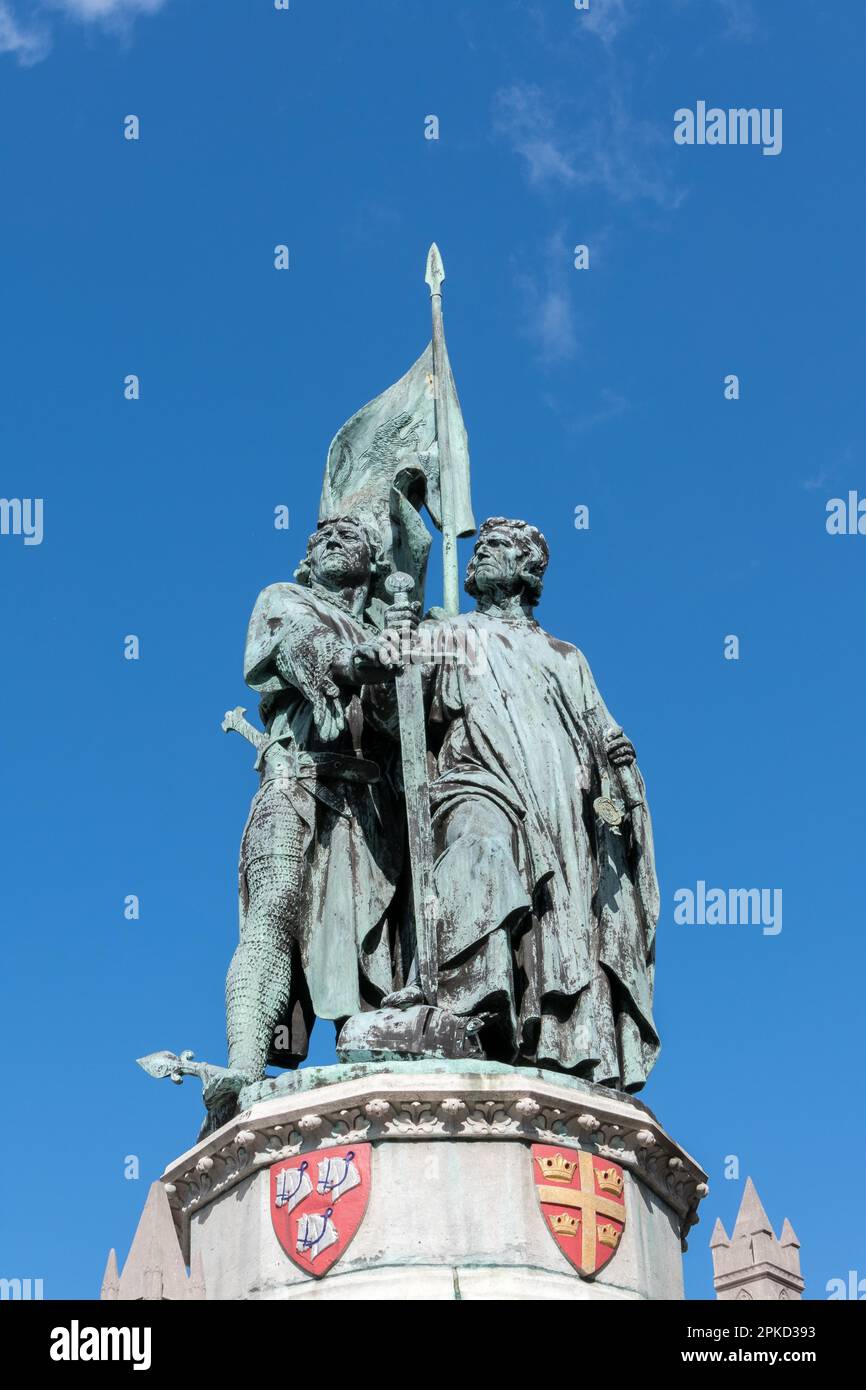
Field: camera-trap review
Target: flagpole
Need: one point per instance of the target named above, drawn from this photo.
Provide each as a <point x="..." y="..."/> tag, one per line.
<point x="435" y="275"/>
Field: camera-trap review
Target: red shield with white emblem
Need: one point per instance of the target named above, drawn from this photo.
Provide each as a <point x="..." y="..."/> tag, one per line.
<point x="582" y="1202"/>
<point x="318" y="1201"/>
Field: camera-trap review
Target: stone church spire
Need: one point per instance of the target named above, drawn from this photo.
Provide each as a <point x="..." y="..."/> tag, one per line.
<point x="154" y="1268"/>
<point x="753" y="1264"/>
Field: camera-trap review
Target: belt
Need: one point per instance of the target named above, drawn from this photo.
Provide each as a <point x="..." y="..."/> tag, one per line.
<point x="338" y="765"/>
<point x="312" y="766"/>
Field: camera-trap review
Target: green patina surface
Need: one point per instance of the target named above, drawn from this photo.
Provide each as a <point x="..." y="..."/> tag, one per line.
<point x="451" y="855"/>
<point x="307" y="1079"/>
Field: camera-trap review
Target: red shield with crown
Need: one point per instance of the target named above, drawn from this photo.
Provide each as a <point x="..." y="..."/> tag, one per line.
<point x="582" y="1202"/>
<point x="318" y="1201"/>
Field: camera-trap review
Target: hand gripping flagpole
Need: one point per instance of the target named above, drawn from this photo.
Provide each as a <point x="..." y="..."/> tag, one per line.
<point x="434" y="277"/>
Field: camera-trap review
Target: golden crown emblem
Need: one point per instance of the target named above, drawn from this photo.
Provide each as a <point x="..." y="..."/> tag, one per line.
<point x="563" y="1225"/>
<point x="608" y="1235"/>
<point x="558" y="1168"/>
<point x="610" y="1180"/>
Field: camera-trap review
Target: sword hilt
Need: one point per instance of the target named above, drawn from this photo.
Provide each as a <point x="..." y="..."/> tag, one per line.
<point x="626" y="776"/>
<point x="399" y="585"/>
<point x="234" y="722"/>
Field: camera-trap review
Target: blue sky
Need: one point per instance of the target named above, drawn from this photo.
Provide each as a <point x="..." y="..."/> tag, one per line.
<point x="601" y="387"/>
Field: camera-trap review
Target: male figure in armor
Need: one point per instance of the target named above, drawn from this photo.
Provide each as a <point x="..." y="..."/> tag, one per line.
<point x="322" y="849"/>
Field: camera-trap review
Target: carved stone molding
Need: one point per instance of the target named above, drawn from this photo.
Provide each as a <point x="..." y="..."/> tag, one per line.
<point x="425" y="1105"/>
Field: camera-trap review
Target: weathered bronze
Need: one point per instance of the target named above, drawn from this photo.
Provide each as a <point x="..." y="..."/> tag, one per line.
<point x="449" y="853"/>
<point x="544" y="867"/>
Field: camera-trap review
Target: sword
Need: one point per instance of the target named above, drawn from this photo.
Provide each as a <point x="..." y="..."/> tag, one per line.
<point x="611" y="811"/>
<point x="413" y="746"/>
<point x="234" y="721"/>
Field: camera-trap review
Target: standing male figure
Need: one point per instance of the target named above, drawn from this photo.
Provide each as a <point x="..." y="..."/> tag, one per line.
<point x="322" y="849"/>
<point x="547" y="907"/>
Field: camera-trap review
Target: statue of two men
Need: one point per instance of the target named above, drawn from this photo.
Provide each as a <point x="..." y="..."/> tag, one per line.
<point x="543" y="867"/>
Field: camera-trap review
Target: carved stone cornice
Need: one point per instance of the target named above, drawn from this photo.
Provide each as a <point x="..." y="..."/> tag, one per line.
<point x="424" y="1105"/>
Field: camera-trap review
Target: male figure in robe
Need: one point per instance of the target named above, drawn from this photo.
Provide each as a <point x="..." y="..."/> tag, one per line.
<point x="322" y="849"/>
<point x="547" y="910"/>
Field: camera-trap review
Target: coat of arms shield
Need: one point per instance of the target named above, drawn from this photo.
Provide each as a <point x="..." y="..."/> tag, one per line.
<point x="583" y="1204"/>
<point x="318" y="1201"/>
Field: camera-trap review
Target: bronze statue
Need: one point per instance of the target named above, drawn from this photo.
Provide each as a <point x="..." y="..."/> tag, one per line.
<point x="546" y="886"/>
<point x="322" y="848"/>
<point x="449" y="854"/>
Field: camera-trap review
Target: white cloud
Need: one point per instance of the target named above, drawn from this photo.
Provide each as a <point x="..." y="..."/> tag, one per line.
<point x="87" y="10"/>
<point x="552" y="326"/>
<point x="29" y="43"/>
<point x="522" y="115"/>
<point x="548" y="309"/>
<point x="825" y="474"/>
<point x="599" y="143"/>
<point x="610" y="405"/>
<point x="741" y="18"/>
<point x="605" y="18"/>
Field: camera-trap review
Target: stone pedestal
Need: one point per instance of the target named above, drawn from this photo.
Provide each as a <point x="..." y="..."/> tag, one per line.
<point x="452" y="1206"/>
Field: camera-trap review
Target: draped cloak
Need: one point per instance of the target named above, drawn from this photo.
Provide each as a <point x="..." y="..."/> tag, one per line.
<point x="524" y="728"/>
<point x="352" y="854"/>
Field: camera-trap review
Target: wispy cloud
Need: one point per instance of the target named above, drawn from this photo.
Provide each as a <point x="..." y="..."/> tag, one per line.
<point x="829" y="471"/>
<point x="88" y="10"/>
<point x="605" y="18"/>
<point x="523" y="115"/>
<point x="739" y="20"/>
<point x="604" y="145"/>
<point x="548" y="317"/>
<point x="611" y="404"/>
<point x="742" y="22"/>
<point x="30" y="40"/>
<point x="551" y="323"/>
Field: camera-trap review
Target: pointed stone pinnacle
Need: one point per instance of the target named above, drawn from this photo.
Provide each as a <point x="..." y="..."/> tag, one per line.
<point x="719" y="1237"/>
<point x="753" y="1264"/>
<point x="788" y="1236"/>
<point x="111" y="1278"/>
<point x="751" y="1218"/>
<point x="154" y="1267"/>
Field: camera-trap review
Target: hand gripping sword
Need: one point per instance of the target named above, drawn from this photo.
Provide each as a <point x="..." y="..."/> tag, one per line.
<point x="413" y="746"/>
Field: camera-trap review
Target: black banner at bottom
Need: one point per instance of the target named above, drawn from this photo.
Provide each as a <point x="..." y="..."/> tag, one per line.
<point x="256" y="1337"/>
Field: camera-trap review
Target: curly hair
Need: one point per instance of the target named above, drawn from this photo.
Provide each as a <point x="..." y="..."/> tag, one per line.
<point x="368" y="530"/>
<point x="533" y="547"/>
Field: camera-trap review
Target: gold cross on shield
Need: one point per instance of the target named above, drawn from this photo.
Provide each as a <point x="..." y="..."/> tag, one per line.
<point x="590" y="1205"/>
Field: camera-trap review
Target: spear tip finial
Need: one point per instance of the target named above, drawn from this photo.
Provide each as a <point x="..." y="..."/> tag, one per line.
<point x="435" y="272"/>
